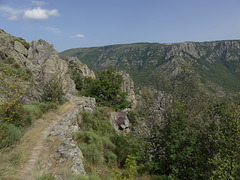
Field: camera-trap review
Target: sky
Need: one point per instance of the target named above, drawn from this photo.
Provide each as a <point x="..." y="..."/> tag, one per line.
<point x="88" y="23"/>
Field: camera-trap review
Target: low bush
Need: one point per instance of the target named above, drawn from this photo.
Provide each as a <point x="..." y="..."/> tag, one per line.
<point x="23" y="116"/>
<point x="9" y="60"/>
<point x="95" y="139"/>
<point x="91" y="152"/>
<point x="9" y="134"/>
<point x="44" y="106"/>
<point x="53" y="91"/>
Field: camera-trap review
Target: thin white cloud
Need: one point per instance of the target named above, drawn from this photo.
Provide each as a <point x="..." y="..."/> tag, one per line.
<point x="39" y="14"/>
<point x="10" y="13"/>
<point x="38" y="3"/>
<point x="79" y="36"/>
<point x="56" y="31"/>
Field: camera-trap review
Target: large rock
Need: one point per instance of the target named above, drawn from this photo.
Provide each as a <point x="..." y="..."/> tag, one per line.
<point x="19" y="47"/>
<point x="45" y="64"/>
<point x="42" y="59"/>
<point x="75" y="64"/>
<point x="128" y="86"/>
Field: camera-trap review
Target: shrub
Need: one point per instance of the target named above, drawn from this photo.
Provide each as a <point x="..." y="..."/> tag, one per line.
<point x="53" y="90"/>
<point x="110" y="157"/>
<point x="106" y="89"/>
<point x="9" y="60"/>
<point x="9" y="134"/>
<point x="63" y="99"/>
<point x="16" y="65"/>
<point x="32" y="111"/>
<point x="91" y="152"/>
<point x="95" y="139"/>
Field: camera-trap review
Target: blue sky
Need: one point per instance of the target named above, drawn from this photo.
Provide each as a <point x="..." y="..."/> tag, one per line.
<point x="86" y="23"/>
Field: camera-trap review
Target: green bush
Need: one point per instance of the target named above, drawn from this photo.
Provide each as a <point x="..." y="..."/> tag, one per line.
<point x="106" y="89"/>
<point x="9" y="134"/>
<point x="95" y="138"/>
<point x="110" y="157"/>
<point x="9" y="60"/>
<point x="52" y="90"/>
<point x="63" y="99"/>
<point x="32" y="111"/>
<point x="91" y="152"/>
<point x="16" y="65"/>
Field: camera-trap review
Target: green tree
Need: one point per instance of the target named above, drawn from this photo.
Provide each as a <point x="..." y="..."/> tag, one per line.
<point x="107" y="90"/>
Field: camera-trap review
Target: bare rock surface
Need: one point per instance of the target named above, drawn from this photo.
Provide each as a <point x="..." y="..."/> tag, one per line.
<point x="43" y="61"/>
<point x="75" y="64"/>
<point x="120" y="122"/>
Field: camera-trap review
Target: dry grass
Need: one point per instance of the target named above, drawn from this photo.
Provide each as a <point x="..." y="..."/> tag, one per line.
<point x="14" y="159"/>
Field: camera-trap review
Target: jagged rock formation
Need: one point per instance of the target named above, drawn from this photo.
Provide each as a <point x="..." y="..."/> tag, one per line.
<point x="216" y="64"/>
<point x="155" y="112"/>
<point x="128" y="86"/>
<point x="75" y="65"/>
<point x="68" y="149"/>
<point x="41" y="58"/>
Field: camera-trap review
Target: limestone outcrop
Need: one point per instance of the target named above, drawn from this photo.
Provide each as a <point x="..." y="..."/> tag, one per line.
<point x="43" y="61"/>
<point x="76" y="65"/>
<point x="128" y="86"/>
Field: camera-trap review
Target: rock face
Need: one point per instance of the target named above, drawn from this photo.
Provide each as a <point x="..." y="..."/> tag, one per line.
<point x="128" y="86"/>
<point x="20" y="48"/>
<point x="68" y="149"/>
<point x="45" y="63"/>
<point x="160" y="103"/>
<point x="42" y="59"/>
<point x="75" y="64"/>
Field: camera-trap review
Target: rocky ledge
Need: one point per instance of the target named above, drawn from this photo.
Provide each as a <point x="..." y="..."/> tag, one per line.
<point x="68" y="148"/>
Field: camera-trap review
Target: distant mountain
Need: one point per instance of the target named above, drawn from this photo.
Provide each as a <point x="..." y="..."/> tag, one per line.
<point x="216" y="65"/>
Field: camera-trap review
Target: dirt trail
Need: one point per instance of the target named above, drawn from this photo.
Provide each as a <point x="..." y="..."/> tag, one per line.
<point x="33" y="141"/>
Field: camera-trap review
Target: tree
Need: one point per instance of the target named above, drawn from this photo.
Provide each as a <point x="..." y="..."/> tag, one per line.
<point x="107" y="90"/>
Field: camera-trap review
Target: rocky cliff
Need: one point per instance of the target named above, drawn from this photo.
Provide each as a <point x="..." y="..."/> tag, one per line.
<point x="41" y="58"/>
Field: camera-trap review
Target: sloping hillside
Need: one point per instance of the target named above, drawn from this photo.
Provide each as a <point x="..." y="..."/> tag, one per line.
<point x="215" y="64"/>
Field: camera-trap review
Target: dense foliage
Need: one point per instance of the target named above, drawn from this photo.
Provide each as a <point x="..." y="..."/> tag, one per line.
<point x="106" y="89"/>
<point x="197" y="137"/>
<point x="101" y="146"/>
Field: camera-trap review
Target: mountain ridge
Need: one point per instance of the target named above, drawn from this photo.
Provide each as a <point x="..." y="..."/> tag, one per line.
<point x="214" y="63"/>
